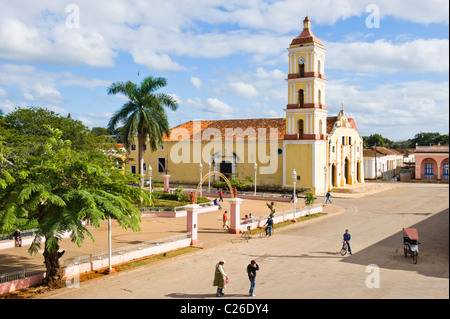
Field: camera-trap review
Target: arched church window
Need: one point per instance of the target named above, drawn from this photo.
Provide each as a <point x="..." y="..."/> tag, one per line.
<point x="301" y="70"/>
<point x="318" y="66"/>
<point x="319" y="94"/>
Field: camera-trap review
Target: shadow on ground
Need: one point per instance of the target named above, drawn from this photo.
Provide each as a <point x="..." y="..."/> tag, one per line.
<point x="433" y="249"/>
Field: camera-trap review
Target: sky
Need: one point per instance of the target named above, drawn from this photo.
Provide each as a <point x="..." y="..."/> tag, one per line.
<point x="387" y="62"/>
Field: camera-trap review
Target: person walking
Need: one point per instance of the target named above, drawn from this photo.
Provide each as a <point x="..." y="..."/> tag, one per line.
<point x="17" y="238"/>
<point x="220" y="196"/>
<point x="251" y="271"/>
<point x="269" y="224"/>
<point x="220" y="278"/>
<point x="347" y="238"/>
<point x="225" y="220"/>
<point x="328" y="198"/>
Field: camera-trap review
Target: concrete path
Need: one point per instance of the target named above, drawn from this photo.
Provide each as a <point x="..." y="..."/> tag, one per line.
<point x="303" y="260"/>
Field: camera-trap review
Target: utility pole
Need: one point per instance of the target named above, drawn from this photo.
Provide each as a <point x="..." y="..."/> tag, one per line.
<point x="376" y="170"/>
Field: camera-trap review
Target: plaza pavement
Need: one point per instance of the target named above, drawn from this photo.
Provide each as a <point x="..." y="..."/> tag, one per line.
<point x="348" y="205"/>
<point x="302" y="261"/>
<point x="210" y="231"/>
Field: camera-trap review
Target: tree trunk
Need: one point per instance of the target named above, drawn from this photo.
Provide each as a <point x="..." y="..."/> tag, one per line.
<point x="55" y="273"/>
<point x="141" y="142"/>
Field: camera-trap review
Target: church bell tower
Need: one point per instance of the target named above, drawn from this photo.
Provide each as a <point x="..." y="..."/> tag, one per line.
<point x="305" y="139"/>
<point x="306" y="114"/>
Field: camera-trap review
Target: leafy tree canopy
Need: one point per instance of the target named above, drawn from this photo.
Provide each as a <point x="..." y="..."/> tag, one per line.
<point x="59" y="186"/>
<point x="25" y="124"/>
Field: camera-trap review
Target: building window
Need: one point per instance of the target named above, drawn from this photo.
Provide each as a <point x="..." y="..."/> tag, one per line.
<point x="133" y="169"/>
<point x="133" y="147"/>
<point x="161" y="165"/>
<point x="301" y="98"/>
<point x="343" y="140"/>
<point x="300" y="129"/>
<point x="320" y="97"/>
<point x="301" y="70"/>
<point x="350" y="140"/>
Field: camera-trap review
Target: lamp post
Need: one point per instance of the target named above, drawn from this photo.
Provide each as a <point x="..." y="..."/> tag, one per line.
<point x="325" y="184"/>
<point x="256" y="168"/>
<point x="200" y="168"/>
<point x="149" y="169"/>
<point x="209" y="177"/>
<point x="294" y="179"/>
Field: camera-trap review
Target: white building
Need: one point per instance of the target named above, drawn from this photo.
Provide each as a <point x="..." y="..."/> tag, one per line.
<point x="383" y="161"/>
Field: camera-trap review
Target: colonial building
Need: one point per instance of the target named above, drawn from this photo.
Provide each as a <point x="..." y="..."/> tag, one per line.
<point x="432" y="163"/>
<point x="324" y="152"/>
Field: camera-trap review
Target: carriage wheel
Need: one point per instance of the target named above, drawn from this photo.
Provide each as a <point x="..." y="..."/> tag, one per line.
<point x="405" y="251"/>
<point x="415" y="256"/>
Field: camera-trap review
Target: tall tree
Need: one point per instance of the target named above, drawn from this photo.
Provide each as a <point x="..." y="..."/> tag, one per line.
<point x="144" y="115"/>
<point x="59" y="186"/>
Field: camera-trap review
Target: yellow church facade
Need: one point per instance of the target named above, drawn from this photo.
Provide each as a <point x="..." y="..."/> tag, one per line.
<point x="325" y="152"/>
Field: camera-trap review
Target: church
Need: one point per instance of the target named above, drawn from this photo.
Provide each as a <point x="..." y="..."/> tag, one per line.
<point x="309" y="148"/>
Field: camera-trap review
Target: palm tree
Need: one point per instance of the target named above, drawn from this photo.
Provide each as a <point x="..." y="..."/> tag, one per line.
<point x="143" y="115"/>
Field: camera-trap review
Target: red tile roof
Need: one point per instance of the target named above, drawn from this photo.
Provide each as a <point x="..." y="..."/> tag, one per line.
<point x="236" y="130"/>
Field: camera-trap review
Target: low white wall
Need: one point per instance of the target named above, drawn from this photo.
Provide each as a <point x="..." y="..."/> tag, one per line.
<point x="282" y="218"/>
<point x="72" y="272"/>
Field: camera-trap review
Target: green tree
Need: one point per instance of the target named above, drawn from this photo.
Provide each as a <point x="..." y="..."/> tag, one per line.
<point x="59" y="186"/>
<point x="376" y="139"/>
<point x="430" y="138"/>
<point x="144" y="114"/>
<point x="309" y="200"/>
<point x="25" y="124"/>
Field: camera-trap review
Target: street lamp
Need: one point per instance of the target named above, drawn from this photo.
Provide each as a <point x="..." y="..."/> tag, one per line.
<point x="149" y="169"/>
<point x="256" y="167"/>
<point x="294" y="179"/>
<point x="325" y="183"/>
<point x="209" y="177"/>
<point x="200" y="168"/>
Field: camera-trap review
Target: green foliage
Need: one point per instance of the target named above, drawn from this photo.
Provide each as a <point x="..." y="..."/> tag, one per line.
<point x="29" y="124"/>
<point x="421" y="139"/>
<point x="240" y="185"/>
<point x="309" y="199"/>
<point x="59" y="186"/>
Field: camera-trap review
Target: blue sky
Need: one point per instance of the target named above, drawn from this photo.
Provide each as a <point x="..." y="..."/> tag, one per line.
<point x="228" y="59"/>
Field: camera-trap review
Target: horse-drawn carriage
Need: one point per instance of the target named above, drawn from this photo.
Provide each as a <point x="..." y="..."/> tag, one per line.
<point x="411" y="243"/>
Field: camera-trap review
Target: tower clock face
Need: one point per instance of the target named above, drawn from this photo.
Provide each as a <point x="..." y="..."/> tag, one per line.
<point x="301" y="60"/>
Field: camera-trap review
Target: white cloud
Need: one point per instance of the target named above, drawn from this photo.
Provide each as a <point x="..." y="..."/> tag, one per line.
<point x="394" y="110"/>
<point x="419" y="55"/>
<point x="196" y="82"/>
<point x="244" y="90"/>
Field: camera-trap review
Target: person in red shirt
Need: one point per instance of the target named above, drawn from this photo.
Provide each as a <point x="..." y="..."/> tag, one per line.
<point x="225" y="220"/>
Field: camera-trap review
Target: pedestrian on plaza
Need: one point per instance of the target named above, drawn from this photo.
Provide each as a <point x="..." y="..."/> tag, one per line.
<point x="269" y="224"/>
<point x="328" y="197"/>
<point x="17" y="238"/>
<point x="217" y="204"/>
<point x="347" y="238"/>
<point x="220" y="196"/>
<point x="251" y="219"/>
<point x="251" y="271"/>
<point x="220" y="278"/>
<point x="225" y="220"/>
